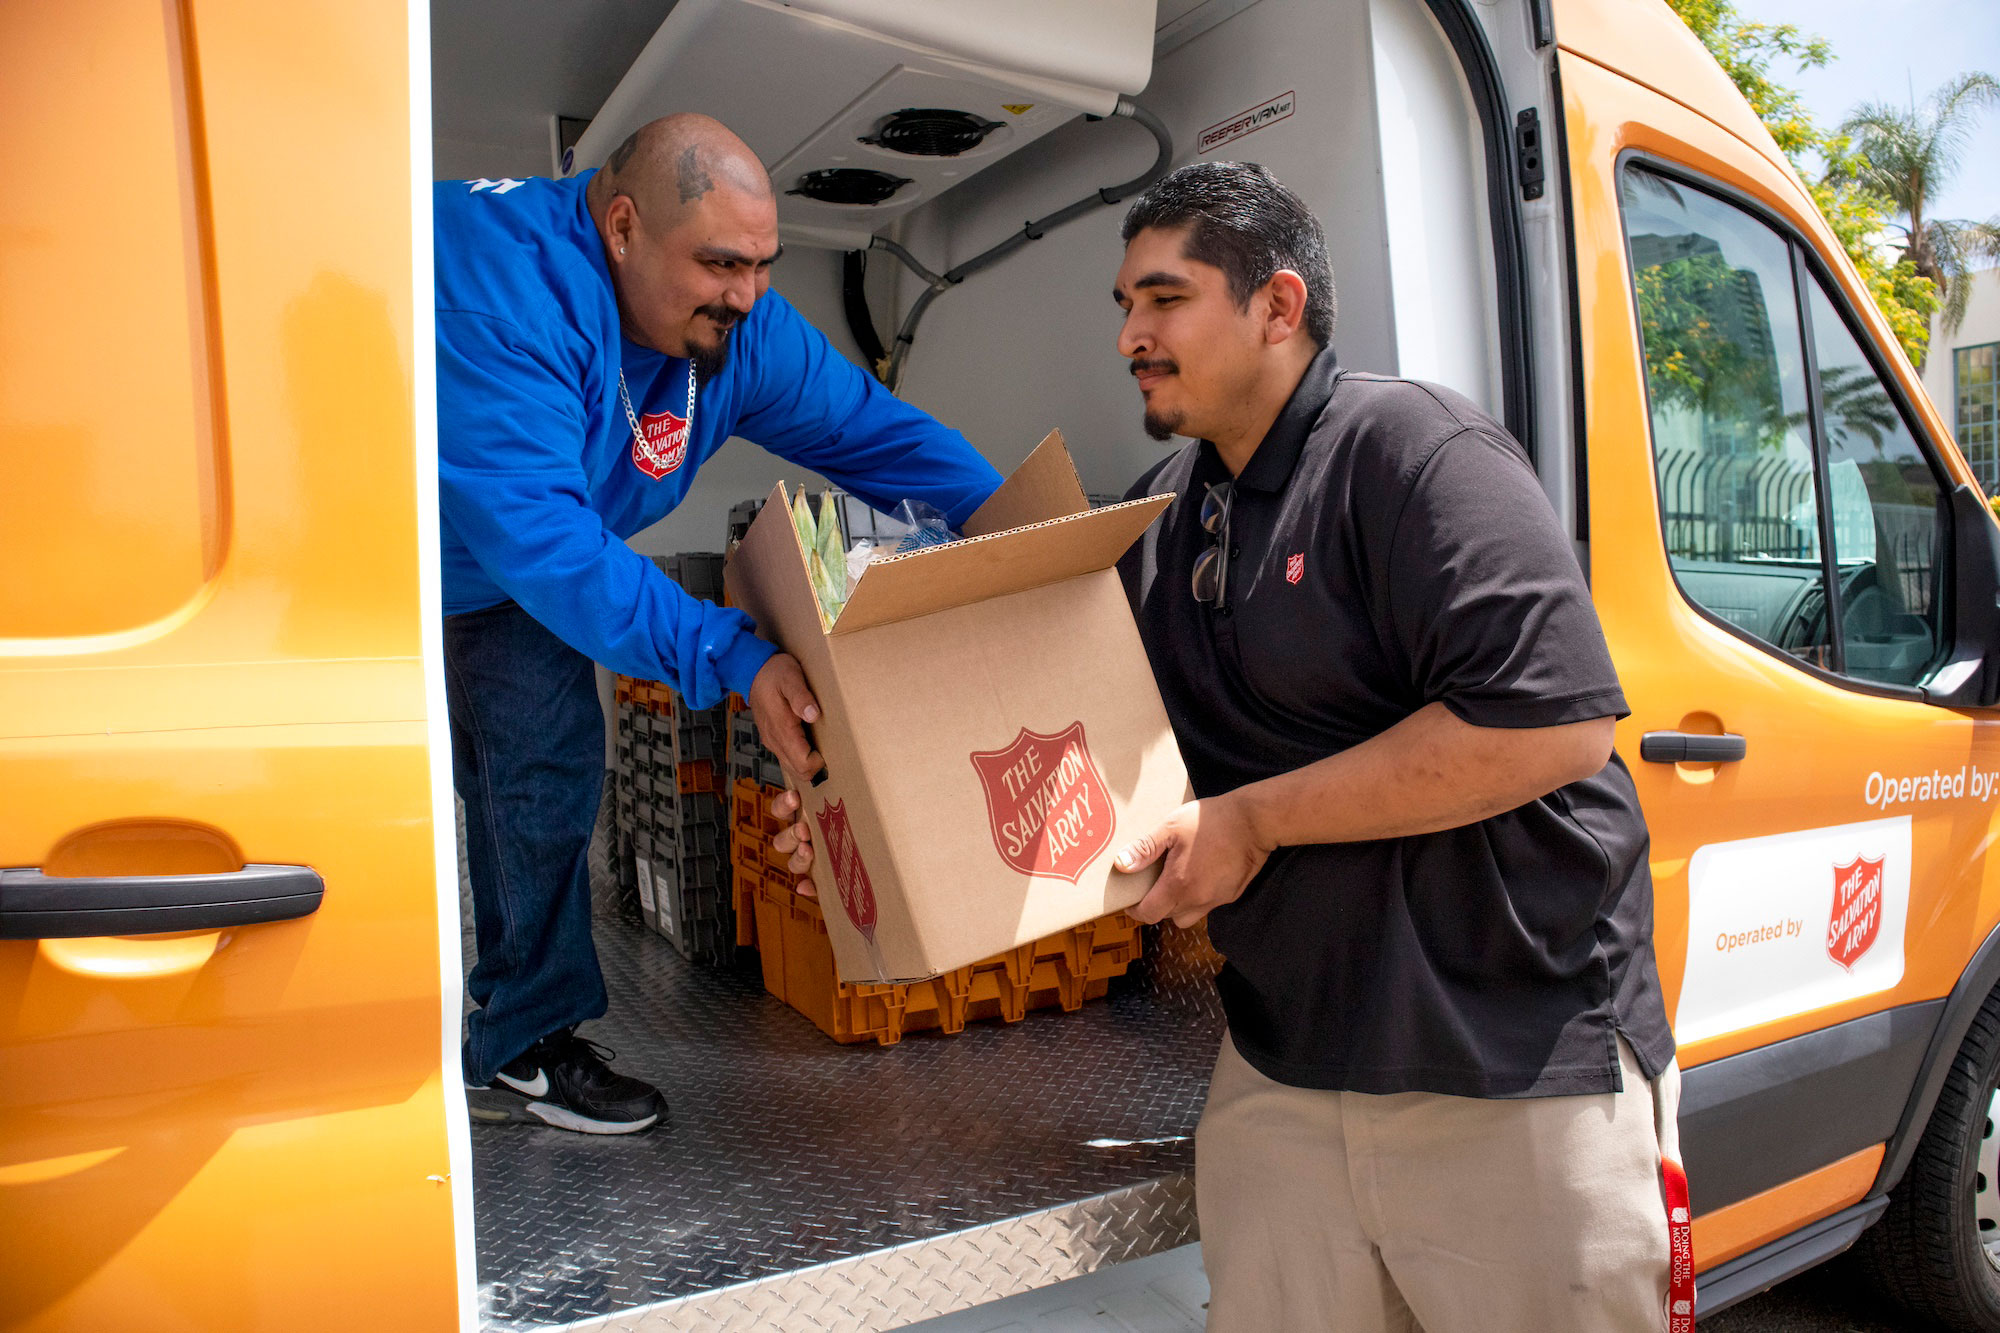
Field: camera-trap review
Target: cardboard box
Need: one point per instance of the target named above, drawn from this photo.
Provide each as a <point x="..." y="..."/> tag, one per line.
<point x="991" y="728"/>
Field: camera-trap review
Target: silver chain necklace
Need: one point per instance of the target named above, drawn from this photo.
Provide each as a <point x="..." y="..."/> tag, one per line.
<point x="632" y="418"/>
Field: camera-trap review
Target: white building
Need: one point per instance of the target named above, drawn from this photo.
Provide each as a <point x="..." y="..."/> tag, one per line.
<point x="1962" y="376"/>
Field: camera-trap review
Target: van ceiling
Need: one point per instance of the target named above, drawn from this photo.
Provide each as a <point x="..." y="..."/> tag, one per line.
<point x="501" y="68"/>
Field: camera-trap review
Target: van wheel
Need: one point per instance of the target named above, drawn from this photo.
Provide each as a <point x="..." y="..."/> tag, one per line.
<point x="1936" y="1250"/>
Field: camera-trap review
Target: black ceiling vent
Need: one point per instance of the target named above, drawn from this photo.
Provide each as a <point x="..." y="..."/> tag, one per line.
<point x="931" y="132"/>
<point x="848" y="185"/>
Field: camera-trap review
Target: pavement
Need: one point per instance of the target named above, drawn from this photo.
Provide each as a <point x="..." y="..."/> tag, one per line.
<point x="1167" y="1293"/>
<point x="1826" y="1299"/>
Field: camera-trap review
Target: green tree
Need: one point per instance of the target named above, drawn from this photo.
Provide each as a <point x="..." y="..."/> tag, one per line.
<point x="1909" y="156"/>
<point x="1855" y="209"/>
<point x="1707" y="343"/>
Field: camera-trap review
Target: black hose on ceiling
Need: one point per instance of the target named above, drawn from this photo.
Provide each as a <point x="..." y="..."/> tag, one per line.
<point x="860" y="320"/>
<point x="937" y="284"/>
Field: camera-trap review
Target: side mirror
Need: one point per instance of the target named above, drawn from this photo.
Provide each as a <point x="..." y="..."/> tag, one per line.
<point x="1970" y="677"/>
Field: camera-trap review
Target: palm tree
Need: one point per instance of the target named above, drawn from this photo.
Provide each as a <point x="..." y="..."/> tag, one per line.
<point x="1910" y="156"/>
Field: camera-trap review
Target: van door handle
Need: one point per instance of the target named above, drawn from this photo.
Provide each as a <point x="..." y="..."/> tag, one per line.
<point x="1689" y="747"/>
<point x="34" y="906"/>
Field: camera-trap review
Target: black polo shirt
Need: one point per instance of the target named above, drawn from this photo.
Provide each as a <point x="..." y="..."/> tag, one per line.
<point x="1392" y="548"/>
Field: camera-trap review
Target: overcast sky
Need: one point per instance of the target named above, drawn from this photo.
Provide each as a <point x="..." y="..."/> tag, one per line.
<point x="1882" y="49"/>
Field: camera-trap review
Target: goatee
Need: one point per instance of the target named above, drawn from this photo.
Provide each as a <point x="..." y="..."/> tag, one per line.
<point x="1162" y="426"/>
<point x="1159" y="425"/>
<point x="710" y="358"/>
<point x="709" y="361"/>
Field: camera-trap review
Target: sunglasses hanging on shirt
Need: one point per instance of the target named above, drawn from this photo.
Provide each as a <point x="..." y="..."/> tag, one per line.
<point x="1211" y="567"/>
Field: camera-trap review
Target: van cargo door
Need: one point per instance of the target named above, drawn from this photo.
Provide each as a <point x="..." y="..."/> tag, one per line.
<point x="224" y="1099"/>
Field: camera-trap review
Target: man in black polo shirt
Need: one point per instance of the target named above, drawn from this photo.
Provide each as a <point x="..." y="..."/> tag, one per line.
<point x="1446" y="1096"/>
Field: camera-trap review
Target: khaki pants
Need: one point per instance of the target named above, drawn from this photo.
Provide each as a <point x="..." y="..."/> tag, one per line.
<point x="1342" y="1212"/>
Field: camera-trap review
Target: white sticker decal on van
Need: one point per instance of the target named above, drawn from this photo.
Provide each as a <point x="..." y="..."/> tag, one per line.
<point x="1793" y="922"/>
<point x="1268" y="112"/>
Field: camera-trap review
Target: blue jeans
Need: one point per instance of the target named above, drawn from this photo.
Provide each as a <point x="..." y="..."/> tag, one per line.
<point x="527" y="751"/>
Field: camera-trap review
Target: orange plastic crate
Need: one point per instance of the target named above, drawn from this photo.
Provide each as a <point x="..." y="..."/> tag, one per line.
<point x="1059" y="971"/>
<point x="752" y="826"/>
<point x="750" y="809"/>
<point x="1062" y="970"/>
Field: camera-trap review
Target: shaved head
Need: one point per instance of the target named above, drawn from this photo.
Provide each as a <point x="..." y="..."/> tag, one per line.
<point x="690" y="229"/>
<point x="670" y="164"/>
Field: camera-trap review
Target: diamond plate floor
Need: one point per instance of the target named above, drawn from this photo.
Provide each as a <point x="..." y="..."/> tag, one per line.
<point x="1162" y="1293"/>
<point x="784" y="1150"/>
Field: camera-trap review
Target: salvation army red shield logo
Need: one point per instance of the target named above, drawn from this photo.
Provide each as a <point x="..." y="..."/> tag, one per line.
<point x="1050" y="810"/>
<point x="1856" y="918"/>
<point x="1295" y="567"/>
<point x="850" y="876"/>
<point x="661" y="444"/>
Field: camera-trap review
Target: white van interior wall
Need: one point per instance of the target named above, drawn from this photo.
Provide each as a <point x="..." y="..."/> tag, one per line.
<point x="1031" y="343"/>
<point x="1381" y="140"/>
<point x="1434" y="197"/>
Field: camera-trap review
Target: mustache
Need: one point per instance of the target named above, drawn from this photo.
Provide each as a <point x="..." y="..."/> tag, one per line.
<point x="1140" y="367"/>
<point x="722" y="315"/>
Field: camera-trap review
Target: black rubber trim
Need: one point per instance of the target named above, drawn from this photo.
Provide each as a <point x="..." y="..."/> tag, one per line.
<point x="1545" y="23"/>
<point x="1763" y="1268"/>
<point x="1687" y="747"/>
<point x="1770" y="1115"/>
<point x="34" y="906"/>
<point x="1578" y="414"/>
<point x="1836" y="633"/>
<point x="1975" y="983"/>
<point x="1496" y="123"/>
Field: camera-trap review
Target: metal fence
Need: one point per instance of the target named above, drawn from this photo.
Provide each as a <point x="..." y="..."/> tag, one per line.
<point x="1762" y="506"/>
<point x="1730" y="506"/>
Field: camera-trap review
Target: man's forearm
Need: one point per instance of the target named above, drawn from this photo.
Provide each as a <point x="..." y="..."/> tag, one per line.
<point x="1430" y="771"/>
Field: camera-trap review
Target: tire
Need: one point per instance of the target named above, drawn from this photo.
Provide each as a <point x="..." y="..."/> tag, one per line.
<point x="1930" y="1252"/>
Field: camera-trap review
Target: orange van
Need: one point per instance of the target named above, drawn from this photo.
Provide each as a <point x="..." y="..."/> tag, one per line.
<point x="231" y="946"/>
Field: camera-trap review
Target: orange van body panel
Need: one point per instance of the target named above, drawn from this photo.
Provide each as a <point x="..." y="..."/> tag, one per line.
<point x="1727" y="1233"/>
<point x="218" y="659"/>
<point x="1647" y="43"/>
<point x="132" y="540"/>
<point x="1812" y="742"/>
<point x="1630" y="74"/>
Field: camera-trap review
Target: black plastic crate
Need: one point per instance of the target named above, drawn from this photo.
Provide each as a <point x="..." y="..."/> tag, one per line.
<point x="747" y="756"/>
<point x="674" y="846"/>
<point x="693" y="907"/>
<point x="698" y="572"/>
<point x="741" y="516"/>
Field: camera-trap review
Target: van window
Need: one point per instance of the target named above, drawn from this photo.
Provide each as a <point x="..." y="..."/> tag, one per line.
<point x="1888" y="538"/>
<point x="1732" y="438"/>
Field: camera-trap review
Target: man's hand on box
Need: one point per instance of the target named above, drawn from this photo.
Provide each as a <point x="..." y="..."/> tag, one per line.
<point x="782" y="703"/>
<point x="1212" y="852"/>
<point x="795" y="838"/>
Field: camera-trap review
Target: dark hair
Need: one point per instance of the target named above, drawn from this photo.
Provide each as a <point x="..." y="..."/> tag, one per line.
<point x="1243" y="221"/>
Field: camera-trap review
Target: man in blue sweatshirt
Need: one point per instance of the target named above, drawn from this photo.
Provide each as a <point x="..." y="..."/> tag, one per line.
<point x="598" y="339"/>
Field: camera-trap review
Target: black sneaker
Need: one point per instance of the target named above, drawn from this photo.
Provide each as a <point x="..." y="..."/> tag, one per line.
<point x="566" y="1083"/>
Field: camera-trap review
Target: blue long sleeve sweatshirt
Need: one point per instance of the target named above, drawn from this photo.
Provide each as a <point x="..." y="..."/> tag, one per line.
<point x="540" y="475"/>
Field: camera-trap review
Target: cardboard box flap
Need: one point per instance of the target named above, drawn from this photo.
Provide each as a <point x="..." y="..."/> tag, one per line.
<point x="1045" y="486"/>
<point x="766" y="579"/>
<point x="901" y="587"/>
